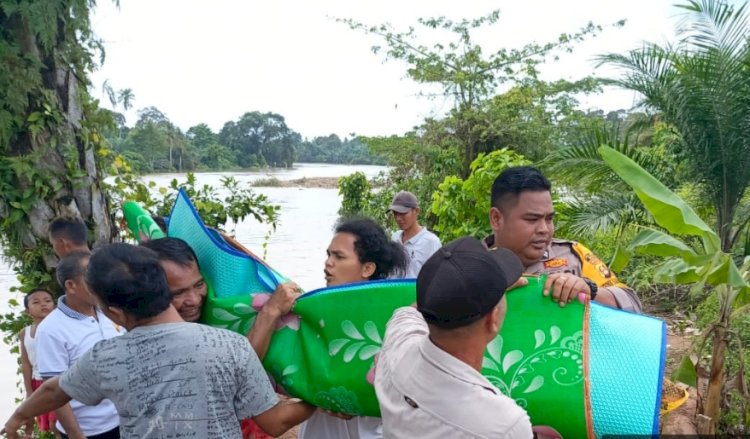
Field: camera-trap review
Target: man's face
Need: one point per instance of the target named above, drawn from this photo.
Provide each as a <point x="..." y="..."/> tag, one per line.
<point x="187" y="288"/>
<point x="406" y="220"/>
<point x="526" y="227"/>
<point x="58" y="246"/>
<point x="342" y="265"/>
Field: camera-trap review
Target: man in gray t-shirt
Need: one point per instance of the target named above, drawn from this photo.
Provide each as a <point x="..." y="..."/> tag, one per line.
<point x="167" y="378"/>
<point x="160" y="384"/>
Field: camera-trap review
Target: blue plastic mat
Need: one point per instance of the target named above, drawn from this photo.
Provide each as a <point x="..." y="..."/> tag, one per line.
<point x="626" y="367"/>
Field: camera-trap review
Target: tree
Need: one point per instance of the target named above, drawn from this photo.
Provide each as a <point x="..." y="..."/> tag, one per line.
<point x="260" y="138"/>
<point x="463" y="72"/>
<point x="49" y="132"/>
<point x="48" y="122"/>
<point x="701" y="87"/>
<point x="201" y="136"/>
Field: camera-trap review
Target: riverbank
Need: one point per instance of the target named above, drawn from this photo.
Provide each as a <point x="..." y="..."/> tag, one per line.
<point x="304" y="182"/>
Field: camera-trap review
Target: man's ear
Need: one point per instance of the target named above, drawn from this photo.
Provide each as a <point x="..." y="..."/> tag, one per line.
<point x="69" y="286"/>
<point x="368" y="269"/>
<point x="496" y="218"/>
<point x="492" y="321"/>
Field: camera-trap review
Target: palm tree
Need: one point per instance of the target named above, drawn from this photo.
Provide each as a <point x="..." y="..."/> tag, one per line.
<point x="701" y="86"/>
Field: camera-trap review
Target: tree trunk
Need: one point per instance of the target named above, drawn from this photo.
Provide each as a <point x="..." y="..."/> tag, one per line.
<point x="716" y="379"/>
<point x="61" y="152"/>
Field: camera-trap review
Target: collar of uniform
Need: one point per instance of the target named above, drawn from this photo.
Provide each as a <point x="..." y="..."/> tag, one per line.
<point x="489" y="241"/>
<point x="70" y="312"/>
<point x="452" y="366"/>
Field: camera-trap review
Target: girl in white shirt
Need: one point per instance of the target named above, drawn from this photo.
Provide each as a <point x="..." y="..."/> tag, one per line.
<point x="38" y="303"/>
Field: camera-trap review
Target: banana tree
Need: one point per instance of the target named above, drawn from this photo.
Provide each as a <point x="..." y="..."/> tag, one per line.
<point x="692" y="255"/>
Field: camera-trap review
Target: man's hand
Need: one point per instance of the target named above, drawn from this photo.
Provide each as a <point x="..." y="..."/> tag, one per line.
<point x="16" y="422"/>
<point x="566" y="287"/>
<point x="282" y="300"/>
<point x="521" y="282"/>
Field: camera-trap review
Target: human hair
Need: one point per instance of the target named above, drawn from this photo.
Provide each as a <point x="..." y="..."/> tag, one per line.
<point x="70" y="267"/>
<point x="373" y="245"/>
<point x="514" y="180"/>
<point x="130" y="278"/>
<point x="28" y="295"/>
<point x="172" y="249"/>
<point x="70" y="228"/>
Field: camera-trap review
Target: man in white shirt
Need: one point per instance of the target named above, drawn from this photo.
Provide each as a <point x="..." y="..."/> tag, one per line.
<point x="428" y="378"/>
<point x="418" y="242"/>
<point x="64" y="336"/>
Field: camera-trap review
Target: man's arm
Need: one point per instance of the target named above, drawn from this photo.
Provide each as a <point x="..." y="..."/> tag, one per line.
<point x="611" y="292"/>
<point x="283" y="416"/>
<point x="279" y="304"/>
<point x="47" y="398"/>
<point x="67" y="419"/>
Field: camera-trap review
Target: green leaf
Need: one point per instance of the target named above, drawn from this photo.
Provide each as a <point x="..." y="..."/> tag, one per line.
<point x="656" y="243"/>
<point x="350" y="330"/>
<point x="351" y="351"/>
<point x="224" y="315"/>
<point x="620" y="259"/>
<point x="372" y="332"/>
<point x="368" y="352"/>
<point x="686" y="372"/>
<point x="335" y="346"/>
<point x="676" y="270"/>
<point x="669" y="210"/>
<point x="487" y="363"/>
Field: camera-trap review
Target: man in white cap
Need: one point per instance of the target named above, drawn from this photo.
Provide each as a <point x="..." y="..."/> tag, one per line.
<point x="419" y="242"/>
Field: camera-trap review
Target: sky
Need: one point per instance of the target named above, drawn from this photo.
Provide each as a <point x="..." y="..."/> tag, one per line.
<point x="212" y="61"/>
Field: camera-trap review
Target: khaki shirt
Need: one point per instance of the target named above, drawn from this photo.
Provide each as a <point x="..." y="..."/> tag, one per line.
<point x="564" y="256"/>
<point x="424" y="392"/>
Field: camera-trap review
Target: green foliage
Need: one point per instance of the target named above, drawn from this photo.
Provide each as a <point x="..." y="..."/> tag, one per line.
<point x="216" y="206"/>
<point x="462" y="206"/>
<point x="735" y="412"/>
<point x="263" y="136"/>
<point x="331" y="149"/>
<point x="701" y="87"/>
<point x="687" y="262"/>
<point x="465" y="73"/>
<point x="355" y="192"/>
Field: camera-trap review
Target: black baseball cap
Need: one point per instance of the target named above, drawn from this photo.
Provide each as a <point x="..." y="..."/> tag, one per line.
<point x="463" y="281"/>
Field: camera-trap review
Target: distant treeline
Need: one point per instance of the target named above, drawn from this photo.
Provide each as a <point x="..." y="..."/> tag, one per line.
<point x="256" y="139"/>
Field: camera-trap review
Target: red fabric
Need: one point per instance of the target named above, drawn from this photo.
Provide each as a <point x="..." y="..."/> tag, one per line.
<point x="47" y="420"/>
<point x="251" y="430"/>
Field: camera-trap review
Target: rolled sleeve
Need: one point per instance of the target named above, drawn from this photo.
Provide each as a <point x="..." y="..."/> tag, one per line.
<point x="53" y="357"/>
<point x="405" y="323"/>
<point x="626" y="298"/>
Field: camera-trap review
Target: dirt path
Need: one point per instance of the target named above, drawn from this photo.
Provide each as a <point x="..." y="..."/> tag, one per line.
<point x="680" y="337"/>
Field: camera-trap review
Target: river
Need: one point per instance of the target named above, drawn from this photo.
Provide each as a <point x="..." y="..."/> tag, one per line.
<point x="296" y="249"/>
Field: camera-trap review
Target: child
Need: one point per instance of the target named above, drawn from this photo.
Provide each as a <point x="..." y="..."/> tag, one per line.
<point x="38" y="304"/>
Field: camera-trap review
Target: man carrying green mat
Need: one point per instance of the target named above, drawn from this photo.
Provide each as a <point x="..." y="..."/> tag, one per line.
<point x="428" y="377"/>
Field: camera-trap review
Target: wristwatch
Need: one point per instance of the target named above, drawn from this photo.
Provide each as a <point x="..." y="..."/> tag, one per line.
<point x="592" y="286"/>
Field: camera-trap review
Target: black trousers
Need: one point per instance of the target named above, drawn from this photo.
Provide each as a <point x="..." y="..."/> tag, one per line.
<point x="111" y="434"/>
